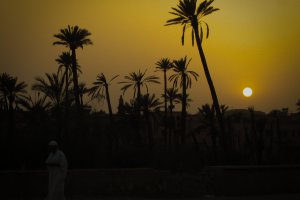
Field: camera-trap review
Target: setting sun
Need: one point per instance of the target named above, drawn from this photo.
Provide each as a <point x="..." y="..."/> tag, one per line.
<point x="247" y="92"/>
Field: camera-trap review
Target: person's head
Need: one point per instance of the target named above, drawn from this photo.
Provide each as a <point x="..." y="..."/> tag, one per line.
<point x="53" y="146"/>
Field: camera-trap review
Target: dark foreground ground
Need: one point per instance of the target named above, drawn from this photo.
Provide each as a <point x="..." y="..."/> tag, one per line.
<point x="262" y="197"/>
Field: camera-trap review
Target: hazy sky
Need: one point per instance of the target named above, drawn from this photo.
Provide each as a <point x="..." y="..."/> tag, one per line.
<point x="252" y="43"/>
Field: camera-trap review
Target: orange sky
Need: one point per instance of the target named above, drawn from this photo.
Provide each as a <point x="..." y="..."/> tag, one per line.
<point x="252" y="43"/>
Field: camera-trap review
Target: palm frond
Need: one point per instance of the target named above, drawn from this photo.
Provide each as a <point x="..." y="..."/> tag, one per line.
<point x="188" y="15"/>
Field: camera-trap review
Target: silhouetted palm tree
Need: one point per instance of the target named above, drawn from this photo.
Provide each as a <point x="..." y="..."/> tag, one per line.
<point x="149" y="104"/>
<point x="53" y="88"/>
<point x="4" y="80"/>
<point x="184" y="76"/>
<point x="101" y="89"/>
<point x="171" y="95"/>
<point x="74" y="37"/>
<point x="37" y="104"/>
<point x="298" y="104"/>
<point x="208" y="117"/>
<point x="164" y="65"/>
<point x="136" y="81"/>
<point x="11" y="91"/>
<point x="37" y="108"/>
<point x="189" y="15"/>
<point x="180" y="99"/>
<point x="65" y="64"/>
<point x="82" y="91"/>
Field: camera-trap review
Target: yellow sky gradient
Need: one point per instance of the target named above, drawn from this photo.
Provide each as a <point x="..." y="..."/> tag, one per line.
<point x="252" y="43"/>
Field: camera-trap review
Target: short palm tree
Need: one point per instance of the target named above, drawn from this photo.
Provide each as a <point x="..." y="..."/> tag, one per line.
<point x="164" y="65"/>
<point x="184" y="76"/>
<point x="82" y="91"/>
<point x="53" y="88"/>
<point x="172" y="96"/>
<point x="74" y="37"/>
<point x="149" y="103"/>
<point x="208" y="117"/>
<point x="101" y="89"/>
<point x="39" y="104"/>
<point x="136" y="80"/>
<point x="36" y="108"/>
<point x="189" y="15"/>
<point x="11" y="91"/>
<point x="4" y="81"/>
<point x="65" y="64"/>
<point x="180" y="99"/>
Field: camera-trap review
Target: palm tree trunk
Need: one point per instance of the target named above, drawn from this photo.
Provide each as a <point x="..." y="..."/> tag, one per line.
<point x="214" y="143"/>
<point x="67" y="89"/>
<point x="150" y="131"/>
<point x="11" y="131"/>
<point x="109" y="103"/>
<point x="75" y="80"/>
<point x="67" y="101"/>
<point x="138" y="115"/>
<point x="166" y="106"/>
<point x="278" y="131"/>
<point x="211" y="86"/>
<point x="111" y="137"/>
<point x="171" y="123"/>
<point x="183" y="111"/>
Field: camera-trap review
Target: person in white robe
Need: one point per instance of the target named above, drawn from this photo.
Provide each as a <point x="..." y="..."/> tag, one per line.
<point x="57" y="166"/>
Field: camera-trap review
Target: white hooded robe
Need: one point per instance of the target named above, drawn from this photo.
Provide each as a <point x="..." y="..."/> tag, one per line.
<point x="57" y="175"/>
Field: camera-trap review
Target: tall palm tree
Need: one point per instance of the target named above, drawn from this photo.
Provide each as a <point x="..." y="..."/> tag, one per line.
<point x="11" y="91"/>
<point x="101" y="89"/>
<point x="184" y="76"/>
<point x="74" y="37"/>
<point x="164" y="65"/>
<point x="189" y="15"/>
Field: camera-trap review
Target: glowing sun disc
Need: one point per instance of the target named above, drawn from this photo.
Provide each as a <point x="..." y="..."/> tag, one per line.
<point x="247" y="92"/>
